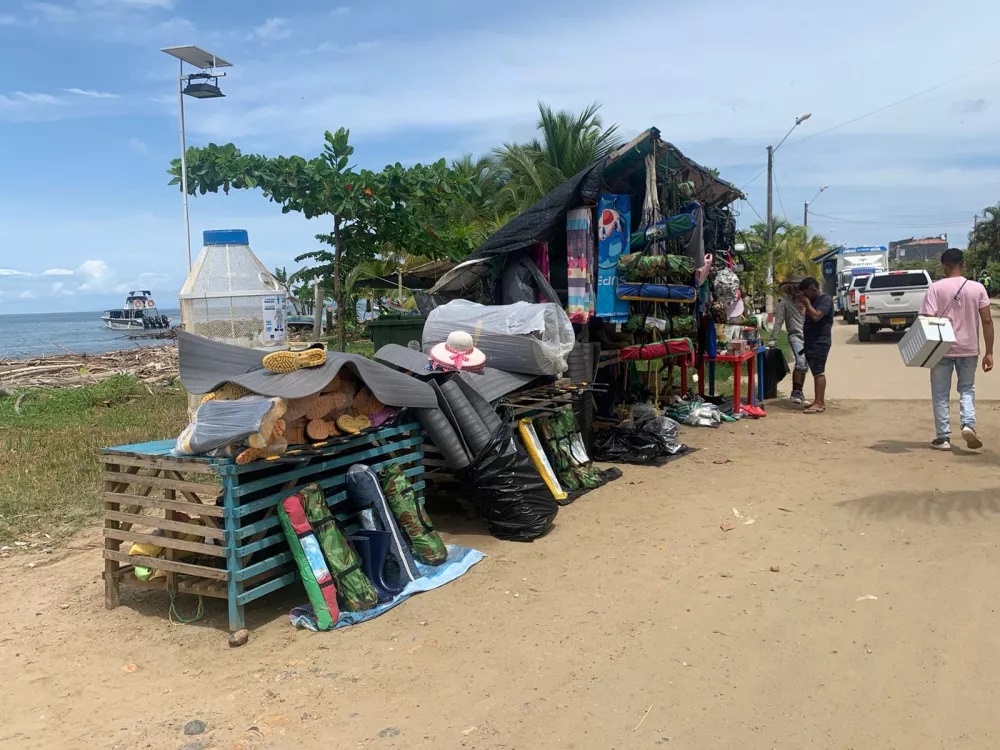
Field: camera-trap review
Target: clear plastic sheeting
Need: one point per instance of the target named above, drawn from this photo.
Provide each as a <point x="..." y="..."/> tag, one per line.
<point x="528" y="338"/>
<point x="220" y="423"/>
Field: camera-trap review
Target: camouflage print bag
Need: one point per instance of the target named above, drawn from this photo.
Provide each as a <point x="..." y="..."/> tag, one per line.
<point x="425" y="542"/>
<point x="560" y="436"/>
<point x="355" y="592"/>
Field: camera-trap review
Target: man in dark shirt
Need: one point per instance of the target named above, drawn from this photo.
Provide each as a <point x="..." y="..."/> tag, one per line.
<point x="816" y="330"/>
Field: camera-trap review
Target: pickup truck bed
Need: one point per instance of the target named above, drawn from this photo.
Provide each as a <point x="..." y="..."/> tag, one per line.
<point x="891" y="300"/>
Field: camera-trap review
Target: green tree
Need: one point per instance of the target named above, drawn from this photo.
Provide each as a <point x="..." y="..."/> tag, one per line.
<point x="569" y="143"/>
<point x="984" y="241"/>
<point x="794" y="250"/>
<point x="367" y="212"/>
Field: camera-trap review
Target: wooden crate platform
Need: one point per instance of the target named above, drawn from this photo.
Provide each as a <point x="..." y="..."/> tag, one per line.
<point x="216" y="522"/>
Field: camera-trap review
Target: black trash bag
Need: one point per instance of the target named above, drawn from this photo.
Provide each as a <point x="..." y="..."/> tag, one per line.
<point x="627" y="445"/>
<point x="513" y="500"/>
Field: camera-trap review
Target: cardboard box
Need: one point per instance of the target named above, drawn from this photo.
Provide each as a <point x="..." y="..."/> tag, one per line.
<point x="926" y="342"/>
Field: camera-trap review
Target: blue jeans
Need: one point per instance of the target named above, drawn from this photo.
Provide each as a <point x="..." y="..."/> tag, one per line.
<point x="941" y="392"/>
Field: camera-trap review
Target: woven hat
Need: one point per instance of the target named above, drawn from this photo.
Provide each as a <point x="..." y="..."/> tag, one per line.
<point x="457" y="353"/>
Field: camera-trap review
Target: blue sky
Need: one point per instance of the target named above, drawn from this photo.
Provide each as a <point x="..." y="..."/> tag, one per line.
<point x="88" y="112"/>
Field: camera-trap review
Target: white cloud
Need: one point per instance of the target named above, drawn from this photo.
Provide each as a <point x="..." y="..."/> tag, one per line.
<point x="26" y="294"/>
<point x="92" y="93"/>
<point x="60" y="288"/>
<point x="137" y="146"/>
<point x="57" y="272"/>
<point x="35" y="97"/>
<point x="97" y="276"/>
<point x="12" y="272"/>
<point x="54" y="13"/>
<point x="273" y="29"/>
<point x="7" y="20"/>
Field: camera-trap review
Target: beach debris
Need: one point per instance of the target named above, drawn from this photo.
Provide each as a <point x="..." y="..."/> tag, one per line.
<point x="389" y="732"/>
<point x="867" y="597"/>
<point x="194" y="727"/>
<point x="775" y="569"/>
<point x="239" y="638"/>
<point x="152" y="365"/>
<point x="646" y="714"/>
<point x="727" y="526"/>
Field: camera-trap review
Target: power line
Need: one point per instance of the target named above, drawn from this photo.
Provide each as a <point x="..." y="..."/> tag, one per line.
<point x="905" y="99"/>
<point x="753" y="179"/>
<point x="754" y="210"/>
<point x="778" y="191"/>
<point x="890" y="224"/>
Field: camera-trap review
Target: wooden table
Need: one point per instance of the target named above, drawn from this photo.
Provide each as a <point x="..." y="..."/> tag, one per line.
<point x="238" y="551"/>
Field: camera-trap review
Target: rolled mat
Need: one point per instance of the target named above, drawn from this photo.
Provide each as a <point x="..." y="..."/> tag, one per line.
<point x="486" y="412"/>
<point x="466" y="419"/>
<point x="657" y="292"/>
<point x="444" y="437"/>
<point x="316" y="576"/>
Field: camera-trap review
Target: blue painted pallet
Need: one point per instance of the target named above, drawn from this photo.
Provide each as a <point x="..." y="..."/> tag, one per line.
<point x="256" y="556"/>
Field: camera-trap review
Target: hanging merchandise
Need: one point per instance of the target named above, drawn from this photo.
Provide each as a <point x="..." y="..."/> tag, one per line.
<point x="425" y="542"/>
<point x="640" y="267"/>
<point x="659" y="350"/>
<point x="540" y="254"/>
<point x="676" y="326"/>
<point x="579" y="252"/>
<point x="665" y="229"/>
<point x="614" y="217"/>
<point x="529" y="438"/>
<point x="656" y="292"/>
<point x="309" y="560"/>
<point x="725" y="290"/>
<point x="695" y="246"/>
<point x="354" y="590"/>
<point x="512" y="498"/>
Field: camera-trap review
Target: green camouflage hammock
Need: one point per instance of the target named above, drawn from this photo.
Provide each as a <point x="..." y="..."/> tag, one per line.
<point x="355" y="592"/>
<point x="560" y="436"/>
<point x="675" y="327"/>
<point x="639" y="267"/>
<point x="425" y="542"/>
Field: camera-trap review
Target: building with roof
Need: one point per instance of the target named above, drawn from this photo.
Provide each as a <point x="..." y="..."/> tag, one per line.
<point x="923" y="248"/>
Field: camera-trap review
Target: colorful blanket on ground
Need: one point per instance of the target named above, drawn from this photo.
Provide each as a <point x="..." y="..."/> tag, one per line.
<point x="579" y="258"/>
<point x="460" y="560"/>
<point x="614" y="216"/>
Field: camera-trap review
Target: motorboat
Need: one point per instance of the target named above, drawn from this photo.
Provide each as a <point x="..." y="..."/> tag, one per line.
<point x="138" y="313"/>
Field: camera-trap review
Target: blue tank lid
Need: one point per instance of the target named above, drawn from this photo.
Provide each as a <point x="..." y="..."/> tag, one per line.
<point x="226" y="237"/>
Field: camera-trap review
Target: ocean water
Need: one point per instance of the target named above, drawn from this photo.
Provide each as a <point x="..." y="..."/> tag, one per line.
<point x="24" y="336"/>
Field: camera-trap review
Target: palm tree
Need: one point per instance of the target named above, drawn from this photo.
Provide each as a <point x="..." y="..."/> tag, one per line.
<point x="282" y="276"/>
<point x="570" y="143"/>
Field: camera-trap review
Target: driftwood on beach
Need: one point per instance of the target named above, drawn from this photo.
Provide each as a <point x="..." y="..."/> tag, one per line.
<point x="154" y="365"/>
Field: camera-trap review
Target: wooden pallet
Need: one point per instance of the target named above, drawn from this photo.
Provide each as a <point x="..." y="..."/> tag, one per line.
<point x="239" y="552"/>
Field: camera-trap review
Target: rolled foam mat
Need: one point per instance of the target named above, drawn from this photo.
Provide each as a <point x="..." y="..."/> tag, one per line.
<point x="466" y="419"/>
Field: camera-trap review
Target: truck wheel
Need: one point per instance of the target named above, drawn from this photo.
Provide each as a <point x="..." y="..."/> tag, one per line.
<point x="849" y="317"/>
<point x="864" y="332"/>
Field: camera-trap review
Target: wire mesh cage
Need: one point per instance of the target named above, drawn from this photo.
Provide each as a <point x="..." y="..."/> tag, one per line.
<point x="230" y="296"/>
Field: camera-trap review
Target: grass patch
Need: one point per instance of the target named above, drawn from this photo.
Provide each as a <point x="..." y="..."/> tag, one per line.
<point x="50" y="476"/>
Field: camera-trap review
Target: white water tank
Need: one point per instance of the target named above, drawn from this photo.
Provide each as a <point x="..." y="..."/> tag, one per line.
<point x="230" y="296"/>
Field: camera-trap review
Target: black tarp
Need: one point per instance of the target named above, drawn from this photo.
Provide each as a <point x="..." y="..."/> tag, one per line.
<point x="537" y="223"/>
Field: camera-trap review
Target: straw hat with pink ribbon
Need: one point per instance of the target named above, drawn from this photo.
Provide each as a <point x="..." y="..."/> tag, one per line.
<point x="458" y="353"/>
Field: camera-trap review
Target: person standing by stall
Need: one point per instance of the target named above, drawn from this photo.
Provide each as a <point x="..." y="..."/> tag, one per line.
<point x="816" y="332"/>
<point x="791" y="314"/>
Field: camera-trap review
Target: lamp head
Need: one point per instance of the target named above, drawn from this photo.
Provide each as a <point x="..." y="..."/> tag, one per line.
<point x="802" y="118"/>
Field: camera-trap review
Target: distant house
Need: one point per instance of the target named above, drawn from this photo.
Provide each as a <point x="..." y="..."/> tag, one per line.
<point x="924" y="248"/>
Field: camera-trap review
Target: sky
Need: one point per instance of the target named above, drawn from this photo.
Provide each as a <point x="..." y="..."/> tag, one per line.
<point x="89" y="121"/>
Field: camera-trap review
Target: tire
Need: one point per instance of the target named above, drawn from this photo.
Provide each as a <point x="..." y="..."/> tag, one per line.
<point x="864" y="332"/>
<point x="850" y="319"/>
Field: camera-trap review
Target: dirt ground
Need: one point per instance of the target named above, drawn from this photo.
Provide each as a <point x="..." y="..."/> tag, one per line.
<point x="852" y="604"/>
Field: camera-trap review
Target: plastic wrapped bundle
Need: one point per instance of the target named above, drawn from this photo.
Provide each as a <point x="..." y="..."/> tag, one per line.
<point x="528" y="338"/>
<point x="676" y="326"/>
<point x="657" y="292"/>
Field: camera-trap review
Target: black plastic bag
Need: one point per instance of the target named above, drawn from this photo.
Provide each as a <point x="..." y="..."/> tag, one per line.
<point x="626" y="445"/>
<point x="513" y="500"/>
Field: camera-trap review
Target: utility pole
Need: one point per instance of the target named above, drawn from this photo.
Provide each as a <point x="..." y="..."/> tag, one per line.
<point x="805" y="216"/>
<point x="770" y="229"/>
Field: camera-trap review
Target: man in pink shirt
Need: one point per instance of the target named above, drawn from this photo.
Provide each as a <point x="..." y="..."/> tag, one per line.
<point x="966" y="304"/>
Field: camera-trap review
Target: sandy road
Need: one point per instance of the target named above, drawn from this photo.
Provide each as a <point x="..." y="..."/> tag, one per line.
<point x="851" y="605"/>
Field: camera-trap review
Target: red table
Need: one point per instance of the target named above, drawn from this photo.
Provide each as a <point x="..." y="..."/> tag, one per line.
<point x="737" y="361"/>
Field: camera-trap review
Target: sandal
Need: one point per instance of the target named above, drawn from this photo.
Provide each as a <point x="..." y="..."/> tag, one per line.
<point x="815" y="410"/>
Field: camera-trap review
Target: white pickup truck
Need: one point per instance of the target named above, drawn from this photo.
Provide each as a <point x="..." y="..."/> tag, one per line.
<point x="850" y="303"/>
<point x="891" y="299"/>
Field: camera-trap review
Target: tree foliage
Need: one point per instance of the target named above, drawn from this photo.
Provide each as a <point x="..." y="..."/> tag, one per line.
<point x="984" y="242"/>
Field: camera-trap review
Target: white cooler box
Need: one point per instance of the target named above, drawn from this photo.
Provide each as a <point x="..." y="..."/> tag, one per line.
<point x="926" y="342"/>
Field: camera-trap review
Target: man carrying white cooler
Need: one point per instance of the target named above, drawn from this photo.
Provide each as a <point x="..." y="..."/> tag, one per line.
<point x="966" y="304"/>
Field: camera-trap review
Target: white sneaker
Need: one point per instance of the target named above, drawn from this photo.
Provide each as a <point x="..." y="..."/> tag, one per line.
<point x="971" y="438"/>
<point x="941" y="444"/>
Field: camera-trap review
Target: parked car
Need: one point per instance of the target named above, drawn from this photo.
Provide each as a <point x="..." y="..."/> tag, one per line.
<point x="891" y="300"/>
<point x="851" y="298"/>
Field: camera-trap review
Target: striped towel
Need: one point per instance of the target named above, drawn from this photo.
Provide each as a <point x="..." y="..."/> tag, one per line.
<point x="580" y="259"/>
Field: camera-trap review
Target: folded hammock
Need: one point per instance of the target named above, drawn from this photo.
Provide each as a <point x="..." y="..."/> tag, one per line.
<point x="666" y="229"/>
<point x="657" y="292"/>
<point x="659" y="350"/>
<point x="676" y="326"/>
<point x="638" y="266"/>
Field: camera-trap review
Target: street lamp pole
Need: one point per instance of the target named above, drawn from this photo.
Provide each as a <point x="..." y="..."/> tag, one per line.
<point x="805" y="209"/>
<point x="770" y="208"/>
<point x="184" y="170"/>
<point x="200" y="85"/>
